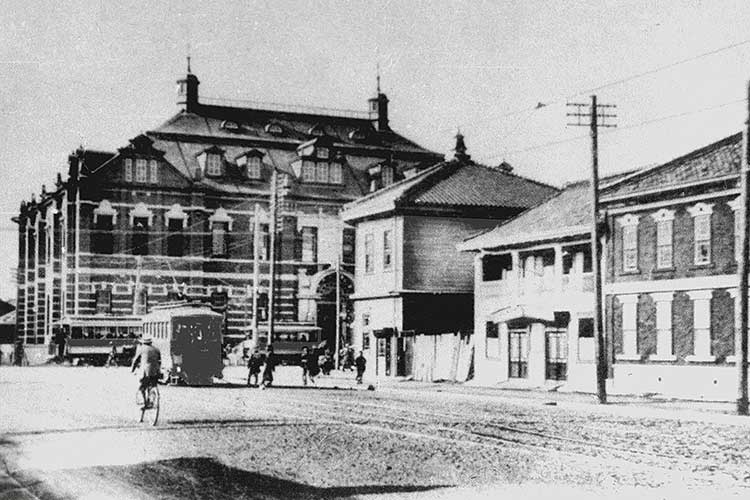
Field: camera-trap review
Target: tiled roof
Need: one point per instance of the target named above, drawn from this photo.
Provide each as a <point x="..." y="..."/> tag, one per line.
<point x="454" y="184"/>
<point x="566" y="214"/>
<point x="714" y="161"/>
<point x="481" y="186"/>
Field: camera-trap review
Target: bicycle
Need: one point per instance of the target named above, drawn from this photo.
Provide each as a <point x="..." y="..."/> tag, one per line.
<point x="151" y="405"/>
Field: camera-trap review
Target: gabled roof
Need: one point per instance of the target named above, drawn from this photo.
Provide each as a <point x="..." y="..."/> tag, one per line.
<point x="714" y="162"/>
<point x="456" y="185"/>
<point x="564" y="215"/>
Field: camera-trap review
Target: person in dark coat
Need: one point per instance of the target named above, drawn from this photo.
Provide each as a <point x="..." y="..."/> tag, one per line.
<point x="360" y="362"/>
<point x="268" y="369"/>
<point x="254" y="362"/>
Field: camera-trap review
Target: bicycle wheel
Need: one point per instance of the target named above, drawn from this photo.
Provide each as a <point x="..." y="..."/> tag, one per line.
<point x="150" y="411"/>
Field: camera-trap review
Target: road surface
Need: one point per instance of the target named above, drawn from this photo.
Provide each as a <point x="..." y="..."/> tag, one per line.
<point x="73" y="433"/>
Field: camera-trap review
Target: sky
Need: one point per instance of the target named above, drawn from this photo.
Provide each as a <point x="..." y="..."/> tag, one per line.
<point x="97" y="73"/>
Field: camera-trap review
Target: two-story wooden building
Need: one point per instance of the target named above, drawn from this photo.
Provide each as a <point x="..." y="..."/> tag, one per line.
<point x="409" y="277"/>
<point x="176" y="210"/>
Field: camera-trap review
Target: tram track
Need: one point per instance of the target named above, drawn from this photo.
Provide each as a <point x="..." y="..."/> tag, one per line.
<point x="509" y="435"/>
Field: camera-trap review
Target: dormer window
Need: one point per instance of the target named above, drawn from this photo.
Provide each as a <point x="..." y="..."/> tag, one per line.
<point x="387" y="175"/>
<point x="230" y="125"/>
<point x="253" y="168"/>
<point x="308" y="171"/>
<point x="335" y="172"/>
<point x="321" y="172"/>
<point x="357" y="135"/>
<point x="252" y="162"/>
<point x="316" y="130"/>
<point x="274" y="129"/>
<point x="213" y="164"/>
<point x="322" y="153"/>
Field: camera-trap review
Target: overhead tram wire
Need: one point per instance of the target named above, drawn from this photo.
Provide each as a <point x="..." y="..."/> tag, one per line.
<point x="613" y="83"/>
<point x="644" y="123"/>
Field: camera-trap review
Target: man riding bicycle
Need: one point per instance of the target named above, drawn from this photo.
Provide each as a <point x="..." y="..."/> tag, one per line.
<point x="148" y="358"/>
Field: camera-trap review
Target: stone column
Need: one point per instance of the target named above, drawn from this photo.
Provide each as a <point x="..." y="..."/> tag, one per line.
<point x="558" y="278"/>
<point x="664" y="350"/>
<point x="701" y="326"/>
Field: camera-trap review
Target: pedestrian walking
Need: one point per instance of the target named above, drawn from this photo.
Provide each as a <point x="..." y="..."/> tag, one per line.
<point x="254" y="362"/>
<point x="268" y="369"/>
<point x="310" y="366"/>
<point x="360" y="362"/>
<point x="326" y="365"/>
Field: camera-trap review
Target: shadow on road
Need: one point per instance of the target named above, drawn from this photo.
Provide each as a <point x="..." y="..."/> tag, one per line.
<point x="192" y="478"/>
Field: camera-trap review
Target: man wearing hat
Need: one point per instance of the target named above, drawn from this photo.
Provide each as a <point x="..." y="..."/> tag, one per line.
<point x="148" y="358"/>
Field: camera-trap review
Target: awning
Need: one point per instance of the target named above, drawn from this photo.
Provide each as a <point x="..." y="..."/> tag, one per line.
<point x="523" y="311"/>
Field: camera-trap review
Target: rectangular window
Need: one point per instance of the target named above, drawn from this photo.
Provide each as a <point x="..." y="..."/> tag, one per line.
<point x="309" y="244"/>
<point x="496" y="267"/>
<point x="103" y="301"/>
<point x="175" y="239"/>
<point x="323" y="153"/>
<point x="387" y="176"/>
<point x="335" y="173"/>
<point x="140" y="236"/>
<point x="349" y="243"/>
<point x="630" y="248"/>
<point x="219" y="239"/>
<point x="128" y="170"/>
<point x="141" y="170"/>
<point x="213" y="164"/>
<point x="253" y="167"/>
<point x="369" y="264"/>
<point x="308" y="171"/>
<point x="265" y="243"/>
<point x="518" y="355"/>
<point x="664" y="244"/>
<point x="103" y="237"/>
<point x="153" y="168"/>
<point x="702" y="231"/>
<point x="321" y="172"/>
<point x="387" y="250"/>
<point x="492" y="332"/>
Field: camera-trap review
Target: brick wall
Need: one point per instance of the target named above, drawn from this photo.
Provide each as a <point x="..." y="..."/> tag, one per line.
<point x="722" y="246"/>
<point x="682" y="326"/>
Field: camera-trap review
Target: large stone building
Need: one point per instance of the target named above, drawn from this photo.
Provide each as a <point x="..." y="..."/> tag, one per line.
<point x="410" y="279"/>
<point x="175" y="211"/>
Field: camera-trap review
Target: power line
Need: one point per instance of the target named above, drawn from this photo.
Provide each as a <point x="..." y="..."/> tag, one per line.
<point x="627" y="127"/>
<point x="620" y="81"/>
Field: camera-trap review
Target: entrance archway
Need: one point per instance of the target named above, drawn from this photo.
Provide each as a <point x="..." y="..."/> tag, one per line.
<point x="326" y="307"/>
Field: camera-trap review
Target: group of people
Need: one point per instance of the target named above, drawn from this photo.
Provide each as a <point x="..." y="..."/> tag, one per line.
<point x="313" y="362"/>
<point x="257" y="361"/>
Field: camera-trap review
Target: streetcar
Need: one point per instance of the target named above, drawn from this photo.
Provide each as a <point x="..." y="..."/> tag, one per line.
<point x="289" y="339"/>
<point x="189" y="336"/>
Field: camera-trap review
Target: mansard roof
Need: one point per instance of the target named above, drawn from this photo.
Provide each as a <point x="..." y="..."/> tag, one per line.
<point x="457" y="186"/>
<point x="252" y="125"/>
<point x="715" y="162"/>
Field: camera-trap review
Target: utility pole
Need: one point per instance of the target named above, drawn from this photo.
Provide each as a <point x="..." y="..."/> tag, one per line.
<point x="272" y="259"/>
<point x="740" y="338"/>
<point x="593" y="122"/>
<point x="256" y="273"/>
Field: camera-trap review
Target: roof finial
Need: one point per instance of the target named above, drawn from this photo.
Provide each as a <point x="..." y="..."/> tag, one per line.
<point x="188" y="57"/>
<point x="378" y="76"/>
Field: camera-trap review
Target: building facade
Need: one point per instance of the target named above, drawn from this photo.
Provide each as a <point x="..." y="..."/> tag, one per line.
<point x="409" y="278"/>
<point x="184" y="210"/>
<point x="671" y="274"/>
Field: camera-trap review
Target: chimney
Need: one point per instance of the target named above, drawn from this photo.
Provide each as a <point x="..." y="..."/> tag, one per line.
<point x="379" y="112"/>
<point x="187" y="92"/>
